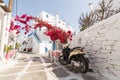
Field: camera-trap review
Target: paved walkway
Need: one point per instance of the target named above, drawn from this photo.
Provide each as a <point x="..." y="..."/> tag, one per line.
<point x="36" y="67"/>
<point x="5" y="64"/>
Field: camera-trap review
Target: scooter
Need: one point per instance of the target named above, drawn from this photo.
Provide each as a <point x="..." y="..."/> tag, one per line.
<point x="75" y="57"/>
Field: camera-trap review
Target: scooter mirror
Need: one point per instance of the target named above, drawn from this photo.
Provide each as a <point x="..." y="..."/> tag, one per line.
<point x="82" y="49"/>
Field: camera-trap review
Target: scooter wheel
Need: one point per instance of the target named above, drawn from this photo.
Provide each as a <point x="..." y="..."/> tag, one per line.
<point x="62" y="60"/>
<point x="82" y="64"/>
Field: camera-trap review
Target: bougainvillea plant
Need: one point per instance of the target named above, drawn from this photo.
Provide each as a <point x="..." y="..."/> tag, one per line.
<point x="54" y="32"/>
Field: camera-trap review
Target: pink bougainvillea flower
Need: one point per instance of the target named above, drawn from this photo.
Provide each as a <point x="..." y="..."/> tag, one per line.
<point x="17" y="27"/>
<point x="23" y="21"/>
<point x="28" y="18"/>
<point x="17" y="32"/>
<point x="68" y="32"/>
<point x="16" y="18"/>
<point x="53" y="32"/>
<point x="23" y="16"/>
<point x="25" y="33"/>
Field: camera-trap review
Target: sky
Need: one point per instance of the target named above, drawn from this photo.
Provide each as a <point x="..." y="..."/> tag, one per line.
<point x="68" y="10"/>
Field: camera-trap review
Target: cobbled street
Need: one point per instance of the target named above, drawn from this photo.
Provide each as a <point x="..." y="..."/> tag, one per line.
<point x="35" y="67"/>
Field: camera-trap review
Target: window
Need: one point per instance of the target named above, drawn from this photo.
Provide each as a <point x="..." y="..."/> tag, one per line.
<point x="39" y="29"/>
<point x="59" y="21"/>
<point x="47" y="16"/>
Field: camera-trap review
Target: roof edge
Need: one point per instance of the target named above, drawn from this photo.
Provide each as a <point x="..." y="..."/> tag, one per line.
<point x="5" y="8"/>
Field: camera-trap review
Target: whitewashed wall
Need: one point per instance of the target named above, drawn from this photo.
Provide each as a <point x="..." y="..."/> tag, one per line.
<point x="102" y="44"/>
<point x="5" y="18"/>
<point x="44" y="45"/>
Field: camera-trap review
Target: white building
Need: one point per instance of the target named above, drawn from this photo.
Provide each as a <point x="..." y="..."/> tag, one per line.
<point x="5" y="17"/>
<point x="38" y="42"/>
<point x="55" y="21"/>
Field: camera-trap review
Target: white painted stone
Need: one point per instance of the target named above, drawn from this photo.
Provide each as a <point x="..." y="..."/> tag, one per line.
<point x="109" y="47"/>
<point x="102" y="44"/>
<point x="113" y="34"/>
<point x="102" y="56"/>
<point x="117" y="46"/>
<point x="114" y="62"/>
<point x="115" y="55"/>
<point x="104" y="51"/>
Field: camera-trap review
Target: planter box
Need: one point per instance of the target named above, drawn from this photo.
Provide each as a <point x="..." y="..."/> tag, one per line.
<point x="10" y="54"/>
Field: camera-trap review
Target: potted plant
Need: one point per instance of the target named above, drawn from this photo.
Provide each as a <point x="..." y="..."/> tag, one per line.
<point x="8" y="51"/>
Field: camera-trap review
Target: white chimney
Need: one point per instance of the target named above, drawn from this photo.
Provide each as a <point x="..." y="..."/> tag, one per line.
<point x="91" y="6"/>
